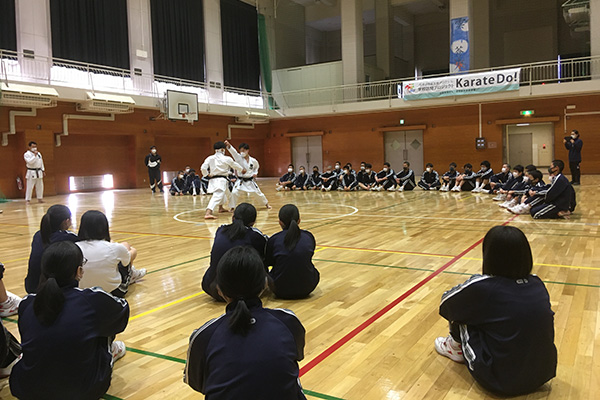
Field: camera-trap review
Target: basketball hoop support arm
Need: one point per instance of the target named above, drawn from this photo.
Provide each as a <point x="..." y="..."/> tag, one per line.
<point x="230" y="127"/>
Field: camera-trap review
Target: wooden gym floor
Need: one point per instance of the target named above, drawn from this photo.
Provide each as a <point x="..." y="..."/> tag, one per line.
<point x="385" y="259"/>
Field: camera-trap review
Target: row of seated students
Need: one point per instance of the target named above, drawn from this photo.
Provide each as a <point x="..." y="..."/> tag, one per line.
<point x="189" y="182"/>
<point x="521" y="191"/>
<point x="252" y="352"/>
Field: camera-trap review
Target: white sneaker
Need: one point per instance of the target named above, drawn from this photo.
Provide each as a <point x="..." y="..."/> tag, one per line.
<point x="6" y="371"/>
<point x="117" y="349"/>
<point x="500" y="197"/>
<point x="484" y="191"/>
<point x="391" y="189"/>
<point x="278" y="188"/>
<point x="10" y="306"/>
<point x="136" y="275"/>
<point x="455" y="189"/>
<point x="476" y="190"/>
<point x="520" y="209"/>
<point x="445" y="188"/>
<point x="400" y="189"/>
<point x="448" y="347"/>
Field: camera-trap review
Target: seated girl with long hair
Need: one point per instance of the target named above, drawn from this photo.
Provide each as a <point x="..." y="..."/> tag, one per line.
<point x="240" y="232"/>
<point x="501" y="323"/>
<point x="109" y="265"/>
<point x="290" y="252"/>
<point x="66" y="333"/>
<point x="250" y="352"/>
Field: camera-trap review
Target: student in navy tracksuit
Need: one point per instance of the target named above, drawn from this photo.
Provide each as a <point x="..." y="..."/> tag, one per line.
<point x="499" y="179"/>
<point x="178" y="187"/>
<point x="482" y="177"/>
<point x="430" y="180"/>
<point x="240" y="232"/>
<point x="533" y="195"/>
<point x="501" y="322"/>
<point x="511" y="184"/>
<point x="250" y="352"/>
<point x="465" y="181"/>
<point x="329" y="179"/>
<point x="366" y="178"/>
<point x="385" y="179"/>
<point x="449" y="178"/>
<point x="287" y="180"/>
<point x="574" y="145"/>
<point x="290" y="252"/>
<point x="53" y="228"/>
<point x="193" y="183"/>
<point x="314" y="181"/>
<point x="559" y="198"/>
<point x="406" y="178"/>
<point x="348" y="179"/>
<point x="67" y="333"/>
<point x="301" y="181"/>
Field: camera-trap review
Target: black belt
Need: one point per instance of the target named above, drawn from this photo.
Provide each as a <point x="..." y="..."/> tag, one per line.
<point x="247" y="179"/>
<point x="218" y="176"/>
<point x="34" y="169"/>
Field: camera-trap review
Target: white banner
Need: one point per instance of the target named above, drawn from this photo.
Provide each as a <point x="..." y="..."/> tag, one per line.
<point x="459" y="85"/>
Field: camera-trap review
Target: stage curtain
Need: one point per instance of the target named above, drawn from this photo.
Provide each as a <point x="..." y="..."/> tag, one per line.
<point x="239" y="34"/>
<point x="91" y="31"/>
<point x="178" y="38"/>
<point x="8" y="27"/>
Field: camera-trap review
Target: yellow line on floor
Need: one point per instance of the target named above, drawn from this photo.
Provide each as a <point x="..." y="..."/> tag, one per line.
<point x="544" y="265"/>
<point x="164" y="235"/>
<point x="172" y="303"/>
<point x="16" y="259"/>
<point x="319" y="248"/>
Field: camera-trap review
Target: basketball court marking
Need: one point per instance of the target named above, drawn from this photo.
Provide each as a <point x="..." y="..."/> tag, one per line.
<point x="169" y="304"/>
<point x="345" y="339"/>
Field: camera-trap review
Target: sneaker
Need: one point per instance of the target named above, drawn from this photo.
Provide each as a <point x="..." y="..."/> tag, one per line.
<point x="5" y="372"/>
<point x="484" y="191"/>
<point x="117" y="349"/>
<point x="476" y="190"/>
<point x="444" y="188"/>
<point x="391" y="189"/>
<point x="455" y="189"/>
<point x="521" y="209"/>
<point x="400" y="188"/>
<point x="500" y="197"/>
<point x="450" y="348"/>
<point x="10" y="306"/>
<point x="509" y="203"/>
<point x="278" y="188"/>
<point x="136" y="274"/>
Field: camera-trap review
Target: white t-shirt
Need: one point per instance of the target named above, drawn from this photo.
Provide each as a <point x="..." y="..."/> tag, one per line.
<point x="101" y="268"/>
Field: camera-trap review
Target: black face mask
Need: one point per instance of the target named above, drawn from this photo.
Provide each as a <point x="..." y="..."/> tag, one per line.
<point x="467" y="170"/>
<point x="405" y="168"/>
<point x="315" y="171"/>
<point x="451" y="168"/>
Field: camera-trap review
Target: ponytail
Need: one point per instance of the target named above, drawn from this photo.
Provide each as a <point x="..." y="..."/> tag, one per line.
<point x="243" y="216"/>
<point x="241" y="276"/>
<point x="52" y="221"/>
<point x="289" y="216"/>
<point x="60" y="262"/>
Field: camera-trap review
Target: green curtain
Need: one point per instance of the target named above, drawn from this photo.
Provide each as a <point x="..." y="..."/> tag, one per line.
<point x="265" y="62"/>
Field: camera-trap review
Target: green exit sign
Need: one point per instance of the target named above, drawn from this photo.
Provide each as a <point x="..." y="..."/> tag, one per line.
<point x="527" y="113"/>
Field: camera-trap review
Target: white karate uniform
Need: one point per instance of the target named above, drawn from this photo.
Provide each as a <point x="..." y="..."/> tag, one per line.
<point x="34" y="175"/>
<point x="218" y="185"/>
<point x="242" y="187"/>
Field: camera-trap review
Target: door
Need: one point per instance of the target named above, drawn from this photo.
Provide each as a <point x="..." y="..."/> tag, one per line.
<point x="520" y="149"/>
<point x="404" y="146"/>
<point x="307" y="151"/>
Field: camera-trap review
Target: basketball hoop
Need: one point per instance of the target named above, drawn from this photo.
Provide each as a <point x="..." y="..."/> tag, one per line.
<point x="190" y="117"/>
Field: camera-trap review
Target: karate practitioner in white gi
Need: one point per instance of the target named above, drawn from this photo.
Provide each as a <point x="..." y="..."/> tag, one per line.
<point x="35" y="173"/>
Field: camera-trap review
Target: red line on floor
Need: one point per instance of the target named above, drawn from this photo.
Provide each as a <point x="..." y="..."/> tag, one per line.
<point x="331" y="349"/>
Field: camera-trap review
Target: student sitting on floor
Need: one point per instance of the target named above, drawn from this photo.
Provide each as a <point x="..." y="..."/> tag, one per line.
<point x="465" y="181"/>
<point x="301" y="181"/>
<point x="193" y="184"/>
<point x="483" y="177"/>
<point x="520" y="190"/>
<point x="329" y="179"/>
<point x="109" y="265"/>
<point x="501" y="322"/>
<point x="515" y="181"/>
<point x="53" y="228"/>
<point x="9" y="302"/>
<point x="348" y="181"/>
<point x="405" y="178"/>
<point x="290" y="252"/>
<point x="66" y="333"/>
<point x="385" y="179"/>
<point x="533" y="196"/>
<point x="559" y="198"/>
<point x="240" y="232"/>
<point x="250" y="352"/>
<point x="499" y="179"/>
<point x="287" y="180"/>
<point x="366" y="178"/>
<point x="430" y="180"/>
<point x="449" y="178"/>
<point x="315" y="181"/>
<point x="178" y="187"/>
<point x="10" y="349"/>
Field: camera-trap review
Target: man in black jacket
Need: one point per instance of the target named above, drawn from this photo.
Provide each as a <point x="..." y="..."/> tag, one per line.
<point x="574" y="145"/>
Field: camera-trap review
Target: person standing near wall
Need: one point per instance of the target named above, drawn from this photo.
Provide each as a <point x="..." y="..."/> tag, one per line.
<point x="152" y="161"/>
<point x="574" y="145"/>
<point x="35" y="173"/>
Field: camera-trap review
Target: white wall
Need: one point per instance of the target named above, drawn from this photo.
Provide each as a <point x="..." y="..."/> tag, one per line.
<point x="541" y="134"/>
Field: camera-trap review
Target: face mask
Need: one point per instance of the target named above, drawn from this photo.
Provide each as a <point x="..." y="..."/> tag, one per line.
<point x="573" y="136"/>
<point x="484" y="168"/>
<point x="428" y="169"/>
<point x="153" y="151"/>
<point x="516" y="174"/>
<point x="384" y="169"/>
<point x="180" y="176"/>
<point x="362" y="167"/>
<point x="301" y="171"/>
<point x="34" y="149"/>
<point x="368" y="171"/>
<point x="187" y="170"/>
<point x="451" y="168"/>
<point x="345" y="172"/>
<point x="467" y="170"/>
<point x="290" y="170"/>
<point x="525" y="179"/>
<point x="504" y="170"/>
<point x="243" y="155"/>
<point x="405" y="168"/>
<point x="337" y="167"/>
<point x="315" y="171"/>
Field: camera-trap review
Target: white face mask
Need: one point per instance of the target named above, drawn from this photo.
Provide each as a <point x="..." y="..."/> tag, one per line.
<point x="362" y="167"/>
<point x="34" y="149"/>
<point x="187" y="170"/>
<point x="153" y="151"/>
<point x="484" y="168"/>
<point x="384" y="169"/>
<point x="573" y="136"/>
<point x="301" y="171"/>
<point x="368" y="171"/>
<point x="504" y="169"/>
<point x="428" y="169"/>
<point x="243" y="155"/>
<point x="525" y="179"/>
<point x="180" y="176"/>
<point x="516" y="174"/>
<point x="290" y="170"/>
<point x="337" y="167"/>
